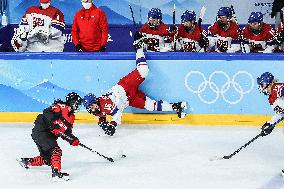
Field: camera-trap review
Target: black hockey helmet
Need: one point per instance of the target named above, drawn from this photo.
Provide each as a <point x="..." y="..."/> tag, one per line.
<point x="74" y="101"/>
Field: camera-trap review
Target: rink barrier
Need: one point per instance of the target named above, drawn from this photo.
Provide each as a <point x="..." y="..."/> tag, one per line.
<point x="220" y="89"/>
<point x="140" y="119"/>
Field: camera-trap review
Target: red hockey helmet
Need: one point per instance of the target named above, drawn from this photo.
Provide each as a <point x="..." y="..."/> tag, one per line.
<point x="45" y="1"/>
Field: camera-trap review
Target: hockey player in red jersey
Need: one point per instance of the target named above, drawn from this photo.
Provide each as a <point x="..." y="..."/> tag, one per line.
<point x="55" y="121"/>
<point x="126" y="93"/>
<point x="40" y="30"/>
<point x="270" y="86"/>
<point x="190" y="36"/>
<point x="279" y="42"/>
<point x="223" y="34"/>
<point x="258" y="36"/>
<point x="157" y="35"/>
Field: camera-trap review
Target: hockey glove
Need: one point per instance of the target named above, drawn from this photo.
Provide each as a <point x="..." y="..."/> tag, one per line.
<point x="102" y="123"/>
<point x="203" y="42"/>
<point x="74" y="141"/>
<point x="266" y="129"/>
<point x="172" y="29"/>
<point x="280" y="37"/>
<point x="56" y="130"/>
<point x="111" y="128"/>
<point x="79" y="48"/>
<point x="138" y="36"/>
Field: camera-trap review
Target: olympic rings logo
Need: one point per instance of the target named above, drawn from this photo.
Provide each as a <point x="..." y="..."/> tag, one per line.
<point x="220" y="91"/>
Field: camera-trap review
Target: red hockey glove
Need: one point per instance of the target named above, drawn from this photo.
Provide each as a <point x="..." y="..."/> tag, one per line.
<point x="75" y="142"/>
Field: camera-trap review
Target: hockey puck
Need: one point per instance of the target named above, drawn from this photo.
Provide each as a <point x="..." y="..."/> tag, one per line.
<point x="123" y="156"/>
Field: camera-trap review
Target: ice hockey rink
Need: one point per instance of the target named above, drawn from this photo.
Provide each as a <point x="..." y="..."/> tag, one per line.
<point x="158" y="156"/>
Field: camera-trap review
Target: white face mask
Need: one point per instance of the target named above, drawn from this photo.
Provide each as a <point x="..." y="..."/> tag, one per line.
<point x="87" y="5"/>
<point x="45" y="5"/>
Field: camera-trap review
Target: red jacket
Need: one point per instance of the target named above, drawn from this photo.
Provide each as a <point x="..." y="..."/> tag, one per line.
<point x="90" y="29"/>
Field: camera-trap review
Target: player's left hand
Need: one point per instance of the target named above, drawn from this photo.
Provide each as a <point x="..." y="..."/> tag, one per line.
<point x="111" y="128"/>
<point x="266" y="129"/>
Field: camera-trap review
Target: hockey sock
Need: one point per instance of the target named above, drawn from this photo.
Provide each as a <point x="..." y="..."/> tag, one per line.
<point x="160" y="105"/>
<point x="56" y="158"/>
<point x="141" y="63"/>
<point x="36" y="161"/>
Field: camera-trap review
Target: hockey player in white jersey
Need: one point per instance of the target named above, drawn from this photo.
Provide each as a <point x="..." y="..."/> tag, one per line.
<point x="270" y="86"/>
<point x="126" y="93"/>
<point x="40" y="30"/>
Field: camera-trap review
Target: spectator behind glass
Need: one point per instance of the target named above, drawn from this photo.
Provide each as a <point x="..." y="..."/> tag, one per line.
<point x="40" y="30"/>
<point x="90" y="28"/>
<point x="223" y="34"/>
<point x="258" y="36"/>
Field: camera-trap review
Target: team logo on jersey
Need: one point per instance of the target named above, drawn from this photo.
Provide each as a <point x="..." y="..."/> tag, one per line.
<point x="254" y="47"/>
<point x="189" y="47"/>
<point x="152" y="44"/>
<point x="222" y="45"/>
<point x="37" y="22"/>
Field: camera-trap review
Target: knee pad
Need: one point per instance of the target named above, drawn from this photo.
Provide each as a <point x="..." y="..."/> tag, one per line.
<point x="143" y="70"/>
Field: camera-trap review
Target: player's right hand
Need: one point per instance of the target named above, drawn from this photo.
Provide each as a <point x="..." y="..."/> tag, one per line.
<point x="266" y="129"/>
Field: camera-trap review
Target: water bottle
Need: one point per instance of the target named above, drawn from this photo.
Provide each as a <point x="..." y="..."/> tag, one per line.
<point x="4" y="20"/>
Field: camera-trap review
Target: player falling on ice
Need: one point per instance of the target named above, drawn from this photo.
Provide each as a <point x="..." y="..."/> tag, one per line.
<point x="55" y="121"/>
<point x="269" y="86"/>
<point x="126" y="93"/>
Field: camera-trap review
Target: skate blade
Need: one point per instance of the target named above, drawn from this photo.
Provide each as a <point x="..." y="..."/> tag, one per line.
<point x="57" y="179"/>
<point x="22" y="164"/>
<point x="182" y="115"/>
<point x="215" y="158"/>
<point x="184" y="105"/>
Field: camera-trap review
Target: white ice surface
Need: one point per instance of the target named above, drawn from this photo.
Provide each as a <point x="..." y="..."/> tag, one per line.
<point x="158" y="157"/>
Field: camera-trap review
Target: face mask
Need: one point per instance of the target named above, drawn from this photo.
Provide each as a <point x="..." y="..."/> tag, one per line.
<point x="44" y="5"/>
<point x="87" y="5"/>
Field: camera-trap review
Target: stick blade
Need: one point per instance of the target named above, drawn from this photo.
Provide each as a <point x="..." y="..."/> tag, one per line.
<point x="215" y="158"/>
<point x="202" y="12"/>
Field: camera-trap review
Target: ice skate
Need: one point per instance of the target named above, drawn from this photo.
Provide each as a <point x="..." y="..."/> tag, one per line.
<point x="180" y="108"/>
<point x="24" y="162"/>
<point x="59" y="176"/>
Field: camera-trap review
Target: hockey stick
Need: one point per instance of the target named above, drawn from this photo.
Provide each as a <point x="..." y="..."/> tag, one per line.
<point x="94" y="151"/>
<point x="174" y="24"/>
<point x="239" y="30"/>
<point x="200" y="19"/>
<point x="64" y="137"/>
<point x="238" y="150"/>
<point x="133" y="19"/>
